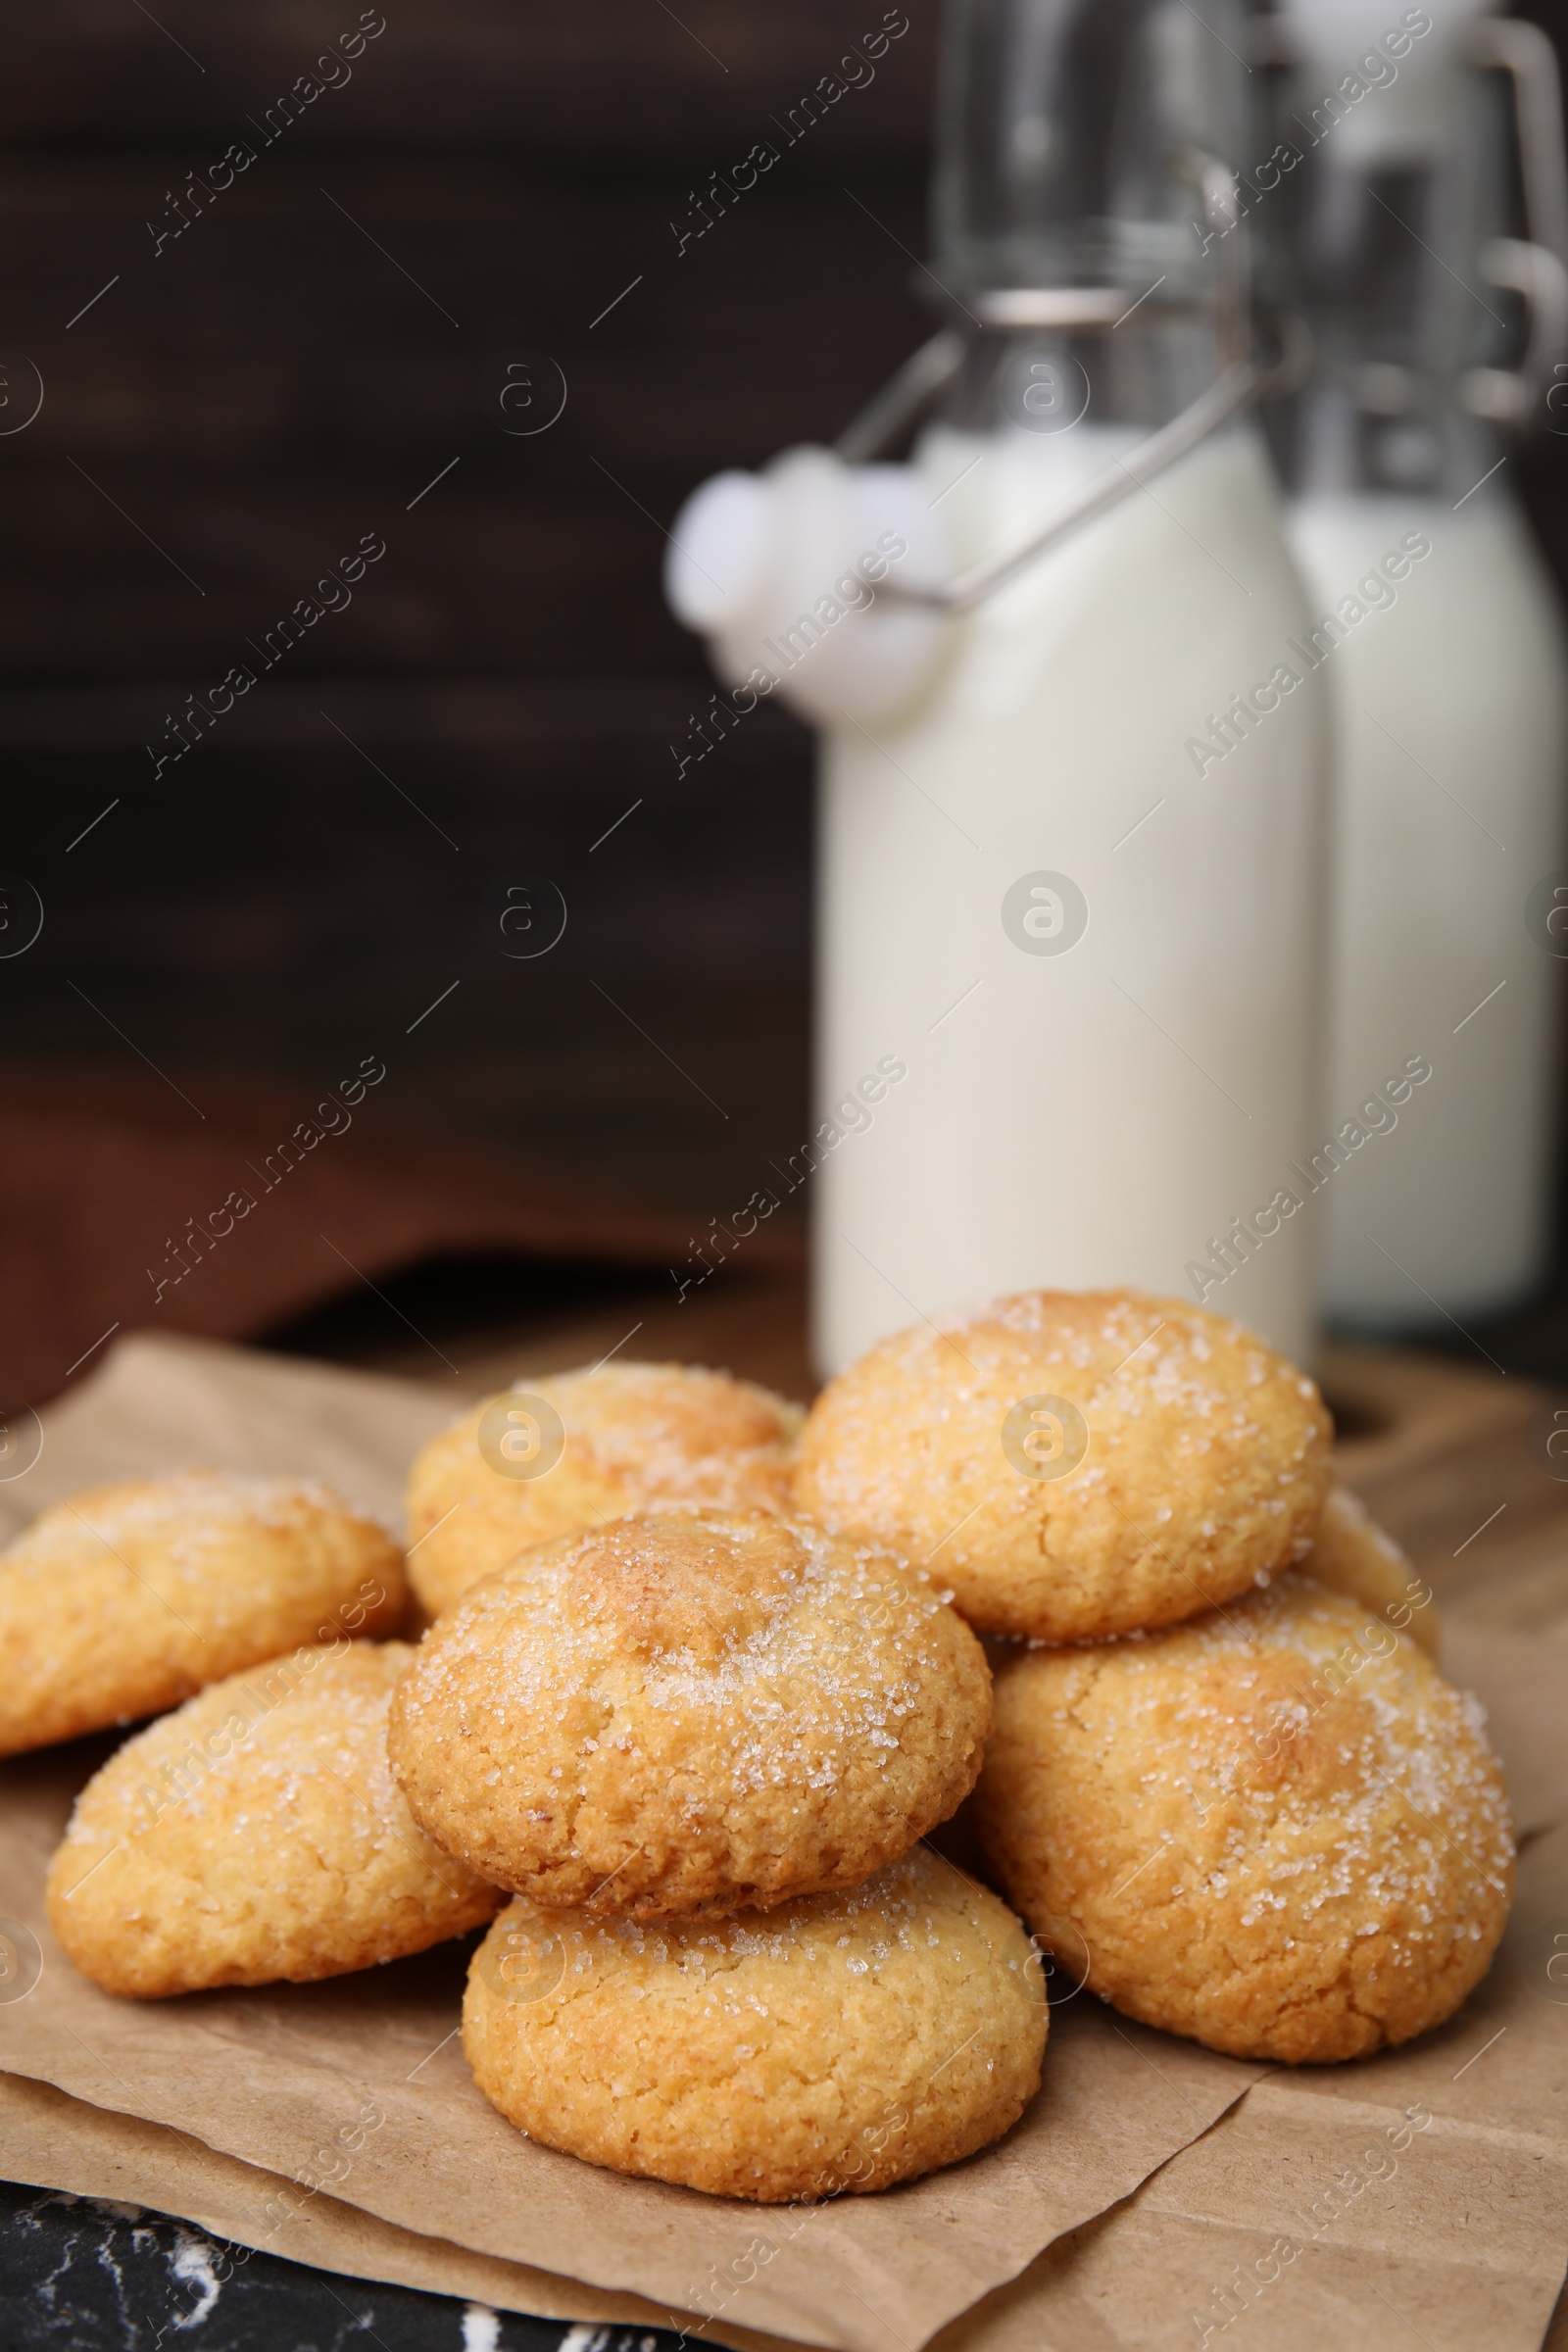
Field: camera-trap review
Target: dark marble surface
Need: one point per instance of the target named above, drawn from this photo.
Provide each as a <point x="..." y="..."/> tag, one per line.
<point x="82" y="2275"/>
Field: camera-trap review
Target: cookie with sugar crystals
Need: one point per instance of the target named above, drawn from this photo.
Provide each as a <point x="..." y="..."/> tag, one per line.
<point x="575" y="1449"/>
<point x="257" y="1835"/>
<point x="1276" y="1829"/>
<point x="128" y="1598"/>
<point x="843" y="2041"/>
<point x="1351" y="1555"/>
<point x="686" y="1713"/>
<point x="1073" y="1463"/>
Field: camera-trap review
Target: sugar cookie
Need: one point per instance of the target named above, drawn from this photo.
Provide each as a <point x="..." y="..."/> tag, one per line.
<point x="1351" y="1555"/>
<point x="127" y="1599"/>
<point x="257" y="1835"/>
<point x="625" y="1438"/>
<point x="688" y="1713"/>
<point x="1276" y="1830"/>
<point x="1073" y="1463"/>
<point x="843" y="2041"/>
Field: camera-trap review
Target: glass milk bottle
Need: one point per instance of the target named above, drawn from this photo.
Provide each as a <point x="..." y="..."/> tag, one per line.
<point x="1438" y="636"/>
<point x="1089" y="953"/>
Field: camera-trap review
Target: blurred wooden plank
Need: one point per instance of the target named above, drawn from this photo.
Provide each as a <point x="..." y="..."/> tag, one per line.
<point x="1395" y="1408"/>
<point x="581" y="723"/>
<point x="756" y="1330"/>
<point x="271" y="388"/>
<point x="278" y="906"/>
<point x="622" y="76"/>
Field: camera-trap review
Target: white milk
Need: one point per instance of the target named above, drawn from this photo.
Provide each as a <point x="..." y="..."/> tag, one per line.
<point x="1103" y="1114"/>
<point x="1449" y="727"/>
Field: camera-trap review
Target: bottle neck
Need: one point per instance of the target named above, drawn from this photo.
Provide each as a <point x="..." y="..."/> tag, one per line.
<point x="1381" y="225"/>
<point x="1363" y="429"/>
<point x="1070" y="140"/>
<point x="1049" y="383"/>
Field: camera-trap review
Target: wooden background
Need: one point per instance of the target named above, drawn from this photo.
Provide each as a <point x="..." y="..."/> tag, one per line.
<point x="274" y="384"/>
<point x="271" y="386"/>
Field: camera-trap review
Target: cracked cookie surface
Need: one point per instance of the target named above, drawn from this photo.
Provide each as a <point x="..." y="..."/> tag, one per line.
<point x="1189" y="1459"/>
<point x="634" y="1437"/>
<point x="257" y="1835"/>
<point x="691" y="1712"/>
<point x="1277" y="1830"/>
<point x="845" y="2041"/>
<point x="128" y="1598"/>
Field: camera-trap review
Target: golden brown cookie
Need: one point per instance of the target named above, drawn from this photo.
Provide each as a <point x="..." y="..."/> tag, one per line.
<point x="1073" y="1463"/>
<point x="844" y="2043"/>
<point x="1351" y="1555"/>
<point x="1276" y="1830"/>
<point x="257" y="1835"/>
<point x="624" y="1437"/>
<point x="690" y="1713"/>
<point x="128" y="1598"/>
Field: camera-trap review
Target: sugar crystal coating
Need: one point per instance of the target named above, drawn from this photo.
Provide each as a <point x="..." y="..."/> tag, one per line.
<point x="1206" y="1460"/>
<point x="691" y="1712"/>
<point x="256" y="1834"/>
<point x="128" y="1598"/>
<point x="637" y="1437"/>
<point x="1276" y="1828"/>
<point x="843" y="2041"/>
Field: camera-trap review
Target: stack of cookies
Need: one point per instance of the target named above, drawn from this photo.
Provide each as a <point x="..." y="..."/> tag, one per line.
<point x="701" y="1742"/>
<point x="1224" y="1781"/>
<point x="698" y="1682"/>
<point x="697" y="1739"/>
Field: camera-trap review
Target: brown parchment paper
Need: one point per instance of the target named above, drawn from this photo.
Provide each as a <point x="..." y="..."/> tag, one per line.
<point x="1313" y="2203"/>
<point x="173" y="1404"/>
<point x="1298" y="2221"/>
<point x="274" y="2076"/>
<point x="53" y="2141"/>
<point x="1458" y="2240"/>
